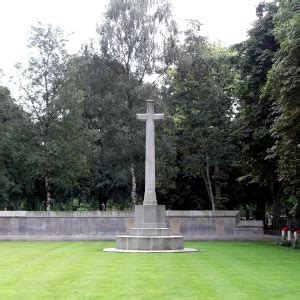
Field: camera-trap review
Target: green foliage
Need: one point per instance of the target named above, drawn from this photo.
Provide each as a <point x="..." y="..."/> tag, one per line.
<point x="254" y="117"/>
<point x="7" y="115"/>
<point x="14" y="149"/>
<point x="251" y="126"/>
<point x="283" y="86"/>
<point x="139" y="35"/>
<point x="110" y="122"/>
<point x="230" y="135"/>
<point x="200" y="105"/>
<point x="137" y="38"/>
<point x="59" y="145"/>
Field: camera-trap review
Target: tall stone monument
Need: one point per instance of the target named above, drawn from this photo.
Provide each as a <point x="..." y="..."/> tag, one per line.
<point x="150" y="232"/>
<point x="150" y="117"/>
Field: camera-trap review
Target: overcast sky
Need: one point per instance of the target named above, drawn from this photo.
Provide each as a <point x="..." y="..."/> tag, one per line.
<point x="226" y="21"/>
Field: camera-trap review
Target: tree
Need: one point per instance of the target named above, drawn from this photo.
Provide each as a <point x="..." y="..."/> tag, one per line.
<point x="14" y="179"/>
<point x="141" y="37"/>
<point x="254" y="118"/>
<point x="201" y="109"/>
<point x="53" y="102"/>
<point x="106" y="114"/>
<point x="283" y="87"/>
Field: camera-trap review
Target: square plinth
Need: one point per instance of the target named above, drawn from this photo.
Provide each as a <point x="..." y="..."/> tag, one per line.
<point x="150" y="216"/>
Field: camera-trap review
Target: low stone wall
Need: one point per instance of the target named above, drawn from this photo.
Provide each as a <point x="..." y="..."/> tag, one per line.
<point x="214" y="225"/>
<point x="193" y="225"/>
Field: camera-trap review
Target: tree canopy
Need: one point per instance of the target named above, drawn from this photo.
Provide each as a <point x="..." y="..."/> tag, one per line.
<point x="230" y="139"/>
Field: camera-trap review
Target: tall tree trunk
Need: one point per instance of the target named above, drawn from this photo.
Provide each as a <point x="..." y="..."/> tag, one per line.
<point x="260" y="213"/>
<point x="208" y="185"/>
<point x="98" y="198"/>
<point x="48" y="194"/>
<point x="246" y="211"/>
<point x="217" y="185"/>
<point x="133" y="184"/>
<point x="276" y="208"/>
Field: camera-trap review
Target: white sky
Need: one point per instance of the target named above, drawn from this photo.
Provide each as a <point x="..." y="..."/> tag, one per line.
<point x="226" y="21"/>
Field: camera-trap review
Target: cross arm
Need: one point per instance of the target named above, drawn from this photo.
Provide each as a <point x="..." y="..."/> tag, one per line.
<point x="158" y="116"/>
<point x="146" y="117"/>
<point x="142" y="116"/>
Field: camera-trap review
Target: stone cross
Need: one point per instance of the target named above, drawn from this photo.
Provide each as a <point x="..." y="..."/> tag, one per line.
<point x="149" y="117"/>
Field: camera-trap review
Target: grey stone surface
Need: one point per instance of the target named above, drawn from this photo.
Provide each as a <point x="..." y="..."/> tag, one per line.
<point x="21" y="225"/>
<point x="150" y="216"/>
<point x="150" y="232"/>
<point x="67" y="214"/>
<point x="175" y="225"/>
<point x="252" y="223"/>
<point x="13" y="227"/>
<point x="203" y="213"/>
<point x="57" y="237"/>
<point x="129" y="224"/>
<point x="129" y="242"/>
<point x="113" y="226"/>
<point x="185" y="250"/>
<point x="150" y="117"/>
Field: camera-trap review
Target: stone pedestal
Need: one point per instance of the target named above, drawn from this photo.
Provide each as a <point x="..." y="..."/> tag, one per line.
<point x="150" y="232"/>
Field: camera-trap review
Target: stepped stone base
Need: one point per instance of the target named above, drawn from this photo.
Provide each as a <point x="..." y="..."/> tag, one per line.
<point x="150" y="232"/>
<point x="150" y="251"/>
<point x="150" y="243"/>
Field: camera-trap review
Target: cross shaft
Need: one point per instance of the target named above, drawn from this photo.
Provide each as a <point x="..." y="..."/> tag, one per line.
<point x="150" y="117"/>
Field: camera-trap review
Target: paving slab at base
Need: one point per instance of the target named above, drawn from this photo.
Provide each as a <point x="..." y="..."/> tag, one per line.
<point x="185" y="250"/>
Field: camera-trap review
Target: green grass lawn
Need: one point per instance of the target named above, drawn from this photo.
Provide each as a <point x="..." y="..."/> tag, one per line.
<point x="80" y="270"/>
